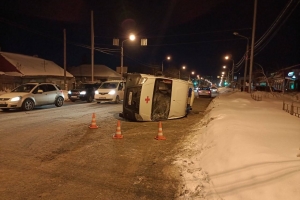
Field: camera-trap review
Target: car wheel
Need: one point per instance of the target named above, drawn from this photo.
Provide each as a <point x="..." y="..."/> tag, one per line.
<point x="4" y="109"/>
<point x="59" y="102"/>
<point x="90" y="99"/>
<point x="117" y="99"/>
<point x="27" y="105"/>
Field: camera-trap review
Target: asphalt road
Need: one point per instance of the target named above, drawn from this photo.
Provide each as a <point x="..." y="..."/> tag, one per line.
<point x="50" y="153"/>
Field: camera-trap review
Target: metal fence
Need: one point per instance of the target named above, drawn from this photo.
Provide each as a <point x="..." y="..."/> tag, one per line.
<point x="291" y="108"/>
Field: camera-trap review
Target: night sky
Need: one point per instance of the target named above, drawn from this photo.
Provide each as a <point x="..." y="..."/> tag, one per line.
<point x="195" y="33"/>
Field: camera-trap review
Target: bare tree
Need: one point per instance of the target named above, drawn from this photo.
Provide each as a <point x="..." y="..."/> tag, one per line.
<point x="265" y="77"/>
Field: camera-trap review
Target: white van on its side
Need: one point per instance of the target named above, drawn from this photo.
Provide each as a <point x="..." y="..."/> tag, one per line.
<point x="110" y="91"/>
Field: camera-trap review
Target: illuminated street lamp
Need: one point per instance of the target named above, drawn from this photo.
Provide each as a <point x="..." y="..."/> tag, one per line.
<point x="246" y="58"/>
<point x="131" y="37"/>
<point x="162" y="63"/>
<point x="190" y="74"/>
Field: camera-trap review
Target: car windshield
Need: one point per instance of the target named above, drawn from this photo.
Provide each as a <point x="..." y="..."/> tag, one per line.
<point x="24" y="88"/>
<point x="84" y="86"/>
<point x="204" y="88"/>
<point x="110" y="85"/>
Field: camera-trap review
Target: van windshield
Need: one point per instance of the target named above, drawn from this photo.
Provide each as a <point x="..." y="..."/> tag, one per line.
<point x="110" y="85"/>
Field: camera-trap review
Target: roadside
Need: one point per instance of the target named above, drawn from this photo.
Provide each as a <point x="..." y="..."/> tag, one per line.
<point x="243" y="149"/>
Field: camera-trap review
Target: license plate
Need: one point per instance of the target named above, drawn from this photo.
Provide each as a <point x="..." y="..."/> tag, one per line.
<point x="74" y="97"/>
<point x="102" y="97"/>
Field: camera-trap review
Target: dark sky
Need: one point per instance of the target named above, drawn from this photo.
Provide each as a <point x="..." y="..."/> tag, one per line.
<point x="195" y="33"/>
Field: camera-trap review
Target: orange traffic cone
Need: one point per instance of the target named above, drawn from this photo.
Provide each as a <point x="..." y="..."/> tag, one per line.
<point x="93" y="124"/>
<point x="160" y="133"/>
<point x="118" y="134"/>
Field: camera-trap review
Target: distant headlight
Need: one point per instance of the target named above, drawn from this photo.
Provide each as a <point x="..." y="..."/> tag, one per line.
<point x="15" y="99"/>
<point x="83" y="92"/>
<point x="112" y="92"/>
<point x="69" y="92"/>
<point x="96" y="92"/>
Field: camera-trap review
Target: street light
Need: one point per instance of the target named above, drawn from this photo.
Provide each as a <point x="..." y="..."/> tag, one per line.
<point x="232" y="71"/>
<point x="246" y="58"/>
<point x="162" y="63"/>
<point x="183" y="67"/>
<point x="190" y="75"/>
<point x="131" y="37"/>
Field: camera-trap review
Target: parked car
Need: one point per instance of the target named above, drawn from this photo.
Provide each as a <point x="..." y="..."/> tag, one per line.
<point x="204" y="92"/>
<point x="29" y="95"/>
<point x="110" y="91"/>
<point x="84" y="92"/>
<point x="213" y="91"/>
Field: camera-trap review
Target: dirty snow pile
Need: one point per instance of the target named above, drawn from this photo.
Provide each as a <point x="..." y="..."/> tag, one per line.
<point x="242" y="149"/>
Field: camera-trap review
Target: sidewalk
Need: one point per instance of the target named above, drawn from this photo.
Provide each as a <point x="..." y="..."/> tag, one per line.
<point x="243" y="149"/>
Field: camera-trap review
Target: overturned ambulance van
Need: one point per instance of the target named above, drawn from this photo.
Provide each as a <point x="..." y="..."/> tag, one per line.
<point x="155" y="98"/>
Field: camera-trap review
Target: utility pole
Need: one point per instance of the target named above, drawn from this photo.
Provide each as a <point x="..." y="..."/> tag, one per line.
<point x="92" y="45"/>
<point x="252" y="47"/>
<point x="65" y="61"/>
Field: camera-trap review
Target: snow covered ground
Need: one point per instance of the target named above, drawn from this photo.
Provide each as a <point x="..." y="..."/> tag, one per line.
<point x="243" y="149"/>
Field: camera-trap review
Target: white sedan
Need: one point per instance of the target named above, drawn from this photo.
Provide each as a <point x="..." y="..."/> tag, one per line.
<point x="204" y="92"/>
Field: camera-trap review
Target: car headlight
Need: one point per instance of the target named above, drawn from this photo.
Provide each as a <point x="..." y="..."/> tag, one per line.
<point x="112" y="92"/>
<point x="96" y="92"/>
<point x="69" y="92"/>
<point x="16" y="99"/>
<point x="83" y="92"/>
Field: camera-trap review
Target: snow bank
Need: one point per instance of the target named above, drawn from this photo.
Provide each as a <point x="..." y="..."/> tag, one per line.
<point x="242" y="149"/>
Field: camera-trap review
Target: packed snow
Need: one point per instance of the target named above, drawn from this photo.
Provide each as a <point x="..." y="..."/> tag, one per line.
<point x="243" y="149"/>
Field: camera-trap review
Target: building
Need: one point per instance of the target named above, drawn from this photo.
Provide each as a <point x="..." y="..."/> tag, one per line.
<point x="83" y="73"/>
<point x="16" y="69"/>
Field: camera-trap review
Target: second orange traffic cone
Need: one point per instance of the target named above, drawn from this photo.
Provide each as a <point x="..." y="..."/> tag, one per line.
<point x="118" y="134"/>
<point x="160" y="133"/>
<point x="93" y="124"/>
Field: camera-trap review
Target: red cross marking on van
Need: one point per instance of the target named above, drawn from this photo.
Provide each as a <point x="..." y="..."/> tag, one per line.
<point x="147" y="99"/>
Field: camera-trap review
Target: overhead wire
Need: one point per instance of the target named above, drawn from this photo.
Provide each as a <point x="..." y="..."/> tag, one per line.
<point x="264" y="40"/>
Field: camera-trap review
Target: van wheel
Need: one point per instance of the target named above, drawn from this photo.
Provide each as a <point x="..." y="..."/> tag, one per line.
<point x="27" y="105"/>
<point x="117" y="100"/>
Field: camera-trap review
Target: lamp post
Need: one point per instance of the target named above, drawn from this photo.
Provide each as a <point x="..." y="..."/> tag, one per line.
<point x="162" y="63"/>
<point x="232" y="71"/>
<point x="246" y="58"/>
<point x="183" y="67"/>
<point x="131" y="37"/>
